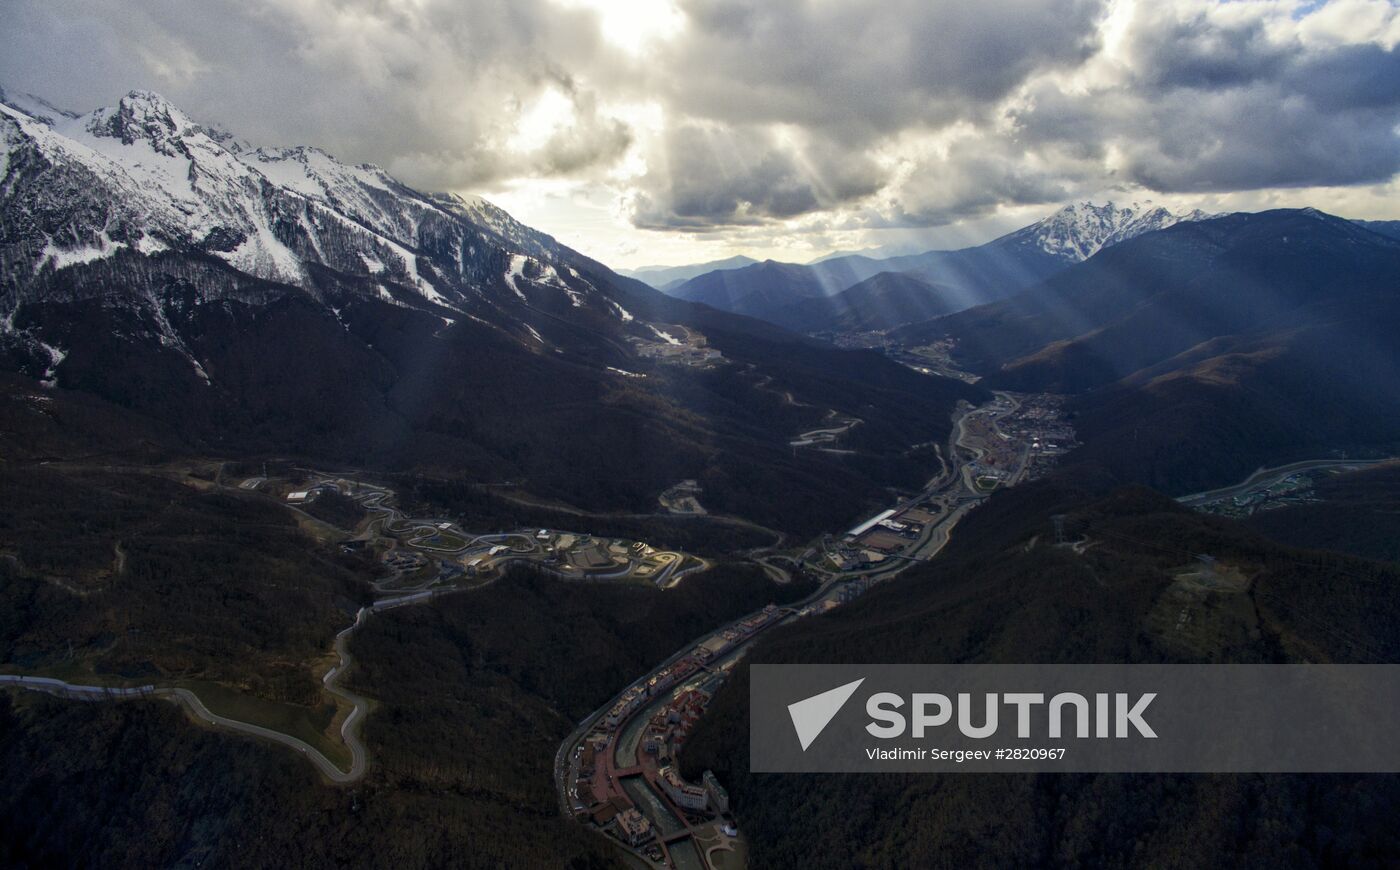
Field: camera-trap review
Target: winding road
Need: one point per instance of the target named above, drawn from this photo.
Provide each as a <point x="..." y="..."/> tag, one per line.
<point x="349" y="730"/>
<point x="376" y="502"/>
<point x="191" y="702"/>
<point x="349" y="726"/>
<point x="1269" y="476"/>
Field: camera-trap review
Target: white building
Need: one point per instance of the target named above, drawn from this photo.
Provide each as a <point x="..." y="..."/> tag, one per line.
<point x="682" y="793"/>
<point x="870" y="524"/>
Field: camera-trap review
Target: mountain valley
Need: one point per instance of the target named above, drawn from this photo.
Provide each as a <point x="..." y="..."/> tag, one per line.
<point x="351" y="524"/>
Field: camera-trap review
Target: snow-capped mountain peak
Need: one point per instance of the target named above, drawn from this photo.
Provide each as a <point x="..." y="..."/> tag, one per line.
<point x="144" y="192"/>
<point x="1082" y="229"/>
<point x="169" y="181"/>
<point x="143" y="115"/>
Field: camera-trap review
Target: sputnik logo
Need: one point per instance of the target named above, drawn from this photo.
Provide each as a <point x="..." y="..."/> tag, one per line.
<point x="811" y="715"/>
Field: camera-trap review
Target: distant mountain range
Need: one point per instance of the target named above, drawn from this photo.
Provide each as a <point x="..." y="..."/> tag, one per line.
<point x="1385" y="228"/>
<point x="1203" y="351"/>
<point x="180" y="290"/>
<point x="666" y="277"/>
<point x="1194" y="348"/>
<point x="811" y="297"/>
<point x="882" y="301"/>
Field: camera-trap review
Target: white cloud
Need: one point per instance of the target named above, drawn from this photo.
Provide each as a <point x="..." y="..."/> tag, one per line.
<point x="639" y="27"/>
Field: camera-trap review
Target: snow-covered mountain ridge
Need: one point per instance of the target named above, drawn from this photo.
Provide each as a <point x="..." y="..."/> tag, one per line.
<point x="1082" y="229"/>
<point x="143" y="178"/>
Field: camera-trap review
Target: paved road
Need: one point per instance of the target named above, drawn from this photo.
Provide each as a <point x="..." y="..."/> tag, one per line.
<point x="1266" y="476"/>
<point x="953" y="482"/>
<point x="191" y="702"/>
<point x="349" y="727"/>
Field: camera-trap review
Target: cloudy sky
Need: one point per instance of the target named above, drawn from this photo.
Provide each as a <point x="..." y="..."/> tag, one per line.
<point x="672" y="131"/>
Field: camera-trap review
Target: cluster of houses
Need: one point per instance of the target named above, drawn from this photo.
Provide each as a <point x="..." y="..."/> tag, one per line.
<point x="637" y="695"/>
<point x="599" y="794"/>
<point x="736" y="634"/>
<point x="667" y="730"/>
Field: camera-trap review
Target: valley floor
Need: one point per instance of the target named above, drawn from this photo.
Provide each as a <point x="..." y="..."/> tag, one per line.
<point x="615" y="772"/>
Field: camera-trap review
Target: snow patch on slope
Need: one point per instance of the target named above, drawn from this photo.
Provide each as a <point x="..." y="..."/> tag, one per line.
<point x="514" y="272"/>
<point x="62" y="258"/>
<point x="664" y="336"/>
<point x="548" y="276"/>
<point x="56" y="357"/>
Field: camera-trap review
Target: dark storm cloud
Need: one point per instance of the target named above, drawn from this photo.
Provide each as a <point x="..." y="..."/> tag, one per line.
<point x="975" y="178"/>
<point x="707" y="176"/>
<point x="1170" y="49"/>
<point x="1221" y="106"/>
<point x="1259" y="137"/>
<point x="1199" y="98"/>
<point x="873" y="66"/>
<point x="1352" y="77"/>
<point x="848" y="75"/>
